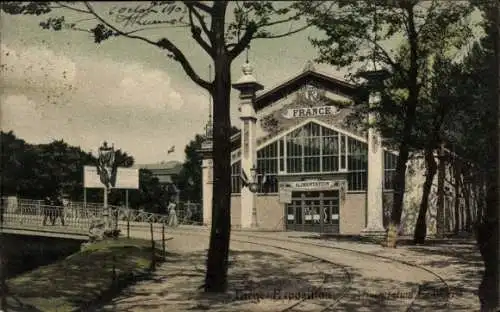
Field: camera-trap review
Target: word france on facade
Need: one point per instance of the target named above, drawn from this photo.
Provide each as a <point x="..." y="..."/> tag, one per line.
<point x="310" y="112"/>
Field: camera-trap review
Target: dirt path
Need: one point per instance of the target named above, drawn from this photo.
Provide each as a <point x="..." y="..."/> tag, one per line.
<point x="272" y="275"/>
<point x="257" y="277"/>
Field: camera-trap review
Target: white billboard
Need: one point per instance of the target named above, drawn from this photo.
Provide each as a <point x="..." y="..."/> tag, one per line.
<point x="126" y="178"/>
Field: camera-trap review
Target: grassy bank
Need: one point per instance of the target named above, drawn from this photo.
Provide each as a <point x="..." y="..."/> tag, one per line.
<point x="82" y="278"/>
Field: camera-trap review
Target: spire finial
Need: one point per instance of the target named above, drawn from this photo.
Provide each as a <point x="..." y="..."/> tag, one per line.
<point x="309" y="66"/>
<point x="247" y="69"/>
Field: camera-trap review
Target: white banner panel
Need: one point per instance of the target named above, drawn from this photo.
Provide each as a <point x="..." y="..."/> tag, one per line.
<point x="126" y="178"/>
<point x="91" y="178"/>
<point x="285" y="196"/>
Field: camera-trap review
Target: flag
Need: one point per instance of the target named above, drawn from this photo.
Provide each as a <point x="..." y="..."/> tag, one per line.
<point x="171" y="150"/>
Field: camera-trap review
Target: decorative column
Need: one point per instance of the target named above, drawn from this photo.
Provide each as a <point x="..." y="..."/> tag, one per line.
<point x="375" y="193"/>
<point x="248" y="86"/>
<point x="207" y="177"/>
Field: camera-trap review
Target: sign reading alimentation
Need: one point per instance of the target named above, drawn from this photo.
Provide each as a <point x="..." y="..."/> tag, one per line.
<point x="310" y="112"/>
<point x="311" y="185"/>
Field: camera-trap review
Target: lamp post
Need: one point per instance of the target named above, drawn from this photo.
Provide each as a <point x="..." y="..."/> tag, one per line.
<point x="106" y="169"/>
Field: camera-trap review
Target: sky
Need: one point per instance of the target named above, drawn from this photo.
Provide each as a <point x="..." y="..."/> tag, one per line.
<point x="61" y="85"/>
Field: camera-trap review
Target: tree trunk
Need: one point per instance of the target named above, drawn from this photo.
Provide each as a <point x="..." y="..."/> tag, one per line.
<point x="457" y="170"/>
<point x="218" y="252"/>
<point x="487" y="239"/>
<point x="217" y="258"/>
<point x="3" y="262"/>
<point x="399" y="188"/>
<point x="409" y="122"/>
<point x="466" y="212"/>
<point x="440" y="193"/>
<point x="480" y="197"/>
<point x="421" y="226"/>
<point x="468" y="216"/>
<point x="488" y="231"/>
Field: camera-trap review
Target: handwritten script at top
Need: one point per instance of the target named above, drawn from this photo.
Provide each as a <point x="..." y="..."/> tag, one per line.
<point x="141" y="15"/>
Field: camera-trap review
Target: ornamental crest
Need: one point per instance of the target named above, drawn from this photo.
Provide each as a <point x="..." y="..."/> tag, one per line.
<point x="106" y="165"/>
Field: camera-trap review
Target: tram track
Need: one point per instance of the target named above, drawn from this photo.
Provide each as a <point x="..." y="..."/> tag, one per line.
<point x="445" y="293"/>
<point x="295" y="307"/>
<point x="410" y="307"/>
<point x="304" y="302"/>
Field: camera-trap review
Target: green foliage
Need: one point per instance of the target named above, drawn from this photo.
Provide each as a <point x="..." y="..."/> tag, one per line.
<point x="223" y="37"/>
<point x="476" y="114"/>
<point x="354" y="30"/>
<point x="37" y="171"/>
<point x="355" y="33"/>
<point x="151" y="196"/>
<point x="30" y="8"/>
<point x="252" y="20"/>
<point x="189" y="180"/>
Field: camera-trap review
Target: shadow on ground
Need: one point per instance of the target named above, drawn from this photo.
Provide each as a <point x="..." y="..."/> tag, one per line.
<point x="266" y="281"/>
<point x="255" y="277"/>
<point x="466" y="263"/>
<point x="81" y="279"/>
<point x="402" y="240"/>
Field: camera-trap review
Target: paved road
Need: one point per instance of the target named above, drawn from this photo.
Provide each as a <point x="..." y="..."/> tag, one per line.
<point x="350" y="277"/>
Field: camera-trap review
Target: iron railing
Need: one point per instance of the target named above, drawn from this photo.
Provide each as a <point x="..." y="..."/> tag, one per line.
<point x="80" y="216"/>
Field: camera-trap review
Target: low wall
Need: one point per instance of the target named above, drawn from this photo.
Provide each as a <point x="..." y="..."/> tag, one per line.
<point x="24" y="253"/>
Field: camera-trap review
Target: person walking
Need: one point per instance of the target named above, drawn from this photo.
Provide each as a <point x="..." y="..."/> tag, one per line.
<point x="188" y="215"/>
<point x="46" y="208"/>
<point x="59" y="209"/>
<point x="172" y="215"/>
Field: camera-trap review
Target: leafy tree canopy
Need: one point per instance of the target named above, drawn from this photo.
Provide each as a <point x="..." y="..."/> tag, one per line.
<point x="38" y="170"/>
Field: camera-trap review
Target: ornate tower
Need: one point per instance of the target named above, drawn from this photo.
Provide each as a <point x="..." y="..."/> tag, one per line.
<point x="248" y="86"/>
<point x="207" y="166"/>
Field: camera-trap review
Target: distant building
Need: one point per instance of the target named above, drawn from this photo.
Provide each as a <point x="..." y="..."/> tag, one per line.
<point x="316" y="171"/>
<point x="165" y="172"/>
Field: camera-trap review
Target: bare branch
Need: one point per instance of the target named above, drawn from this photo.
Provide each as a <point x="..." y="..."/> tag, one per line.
<point x="288" y="33"/>
<point x="396" y="66"/>
<point x="84" y="20"/>
<point x="196" y="34"/>
<point x="203" y="25"/>
<point x="163" y="43"/>
<point x="244" y="41"/>
<point x="200" y="6"/>
<point x="72" y="8"/>
<point x="81" y="29"/>
<point x="157" y="27"/>
<point x="286" y="20"/>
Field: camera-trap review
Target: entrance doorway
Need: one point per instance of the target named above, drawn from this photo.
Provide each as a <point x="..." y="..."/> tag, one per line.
<point x="313" y="211"/>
